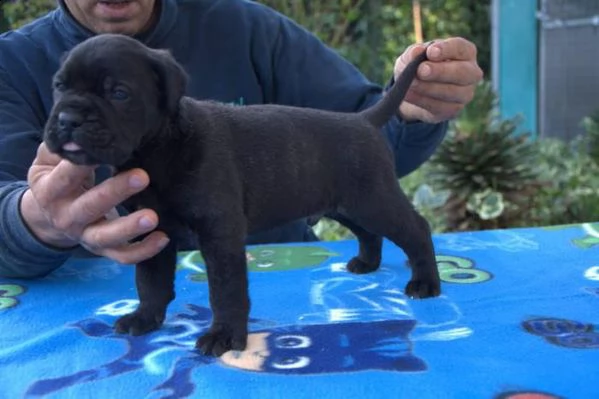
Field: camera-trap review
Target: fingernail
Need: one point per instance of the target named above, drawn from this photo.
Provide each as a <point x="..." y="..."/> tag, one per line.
<point x="425" y="70"/>
<point x="435" y="52"/>
<point x="136" y="181"/>
<point x="145" y="222"/>
<point x="163" y="242"/>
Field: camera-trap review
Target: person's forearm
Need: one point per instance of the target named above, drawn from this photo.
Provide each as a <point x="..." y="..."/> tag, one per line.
<point x="22" y="255"/>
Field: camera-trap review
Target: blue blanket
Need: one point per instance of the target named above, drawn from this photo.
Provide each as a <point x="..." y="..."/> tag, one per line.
<point x="518" y="319"/>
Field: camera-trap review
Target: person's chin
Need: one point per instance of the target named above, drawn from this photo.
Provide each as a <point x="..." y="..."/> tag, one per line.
<point x="126" y="24"/>
<point x="128" y="29"/>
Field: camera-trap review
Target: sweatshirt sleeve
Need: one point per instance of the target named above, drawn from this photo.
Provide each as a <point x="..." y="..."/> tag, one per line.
<point x="22" y="255"/>
<point x="308" y="73"/>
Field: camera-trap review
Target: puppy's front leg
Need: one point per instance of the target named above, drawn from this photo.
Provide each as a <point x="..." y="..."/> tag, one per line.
<point x="226" y="266"/>
<point x="154" y="279"/>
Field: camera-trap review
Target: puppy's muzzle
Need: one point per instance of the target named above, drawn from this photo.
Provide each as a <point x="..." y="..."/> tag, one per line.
<point x="67" y="122"/>
<point x="70" y="133"/>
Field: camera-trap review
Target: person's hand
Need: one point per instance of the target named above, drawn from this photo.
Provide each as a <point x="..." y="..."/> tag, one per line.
<point x="63" y="209"/>
<point x="444" y="84"/>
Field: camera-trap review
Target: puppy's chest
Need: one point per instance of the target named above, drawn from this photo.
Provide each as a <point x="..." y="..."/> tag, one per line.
<point x="171" y="191"/>
<point x="176" y="199"/>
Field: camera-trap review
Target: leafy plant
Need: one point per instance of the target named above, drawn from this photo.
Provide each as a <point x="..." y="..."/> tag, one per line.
<point x="490" y="171"/>
<point x="373" y="33"/>
<point x="21" y="12"/>
<point x="591" y="127"/>
<point x="426" y="197"/>
<point x="351" y="27"/>
<point x="571" y="191"/>
<point x="330" y="230"/>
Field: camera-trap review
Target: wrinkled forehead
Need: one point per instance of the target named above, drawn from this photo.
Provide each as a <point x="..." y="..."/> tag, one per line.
<point x="100" y="60"/>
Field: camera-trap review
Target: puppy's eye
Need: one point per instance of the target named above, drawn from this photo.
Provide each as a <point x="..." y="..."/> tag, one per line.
<point x="59" y="86"/>
<point x="119" y="95"/>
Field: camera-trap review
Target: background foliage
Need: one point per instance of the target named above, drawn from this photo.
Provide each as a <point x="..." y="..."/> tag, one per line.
<point x="484" y="175"/>
<point x="370" y="33"/>
<point x="19" y="12"/>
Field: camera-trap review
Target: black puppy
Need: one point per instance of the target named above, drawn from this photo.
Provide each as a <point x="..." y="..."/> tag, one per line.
<point x="225" y="171"/>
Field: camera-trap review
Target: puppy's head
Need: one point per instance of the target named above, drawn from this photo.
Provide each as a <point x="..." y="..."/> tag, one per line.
<point x="111" y="93"/>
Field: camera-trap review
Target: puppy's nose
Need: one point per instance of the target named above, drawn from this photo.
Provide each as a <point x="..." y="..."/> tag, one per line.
<point x="69" y="120"/>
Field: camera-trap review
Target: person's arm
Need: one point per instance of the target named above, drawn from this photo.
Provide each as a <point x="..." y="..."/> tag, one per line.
<point x="308" y="73"/>
<point x="22" y="255"/>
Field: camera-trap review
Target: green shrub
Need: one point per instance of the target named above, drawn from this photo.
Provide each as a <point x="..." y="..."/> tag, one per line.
<point x="21" y="12"/>
<point x="490" y="173"/>
<point x="571" y="190"/>
<point x="591" y="138"/>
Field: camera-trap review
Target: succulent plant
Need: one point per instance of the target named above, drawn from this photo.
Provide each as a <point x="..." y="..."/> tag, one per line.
<point x="488" y="167"/>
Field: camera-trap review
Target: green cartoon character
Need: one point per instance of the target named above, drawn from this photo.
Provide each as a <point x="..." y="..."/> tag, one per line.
<point x="591" y="239"/>
<point x="8" y="294"/>
<point x="263" y="258"/>
<point x="455" y="269"/>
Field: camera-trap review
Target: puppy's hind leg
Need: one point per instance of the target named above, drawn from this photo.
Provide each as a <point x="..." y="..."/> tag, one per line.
<point x="416" y="241"/>
<point x="369" y="255"/>
<point x="395" y="218"/>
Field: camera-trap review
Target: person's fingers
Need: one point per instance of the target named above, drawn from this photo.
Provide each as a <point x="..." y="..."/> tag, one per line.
<point x="63" y="180"/>
<point x="428" y="109"/>
<point x="44" y="157"/>
<point x="99" y="200"/>
<point x="51" y="177"/>
<point x="460" y="73"/>
<point x="454" y="48"/>
<point x="113" y="214"/>
<point x="118" y="232"/>
<point x="442" y="92"/>
<point x="408" y="55"/>
<point x="138" y="251"/>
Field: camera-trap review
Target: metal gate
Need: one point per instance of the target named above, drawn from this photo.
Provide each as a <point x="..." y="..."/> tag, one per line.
<point x="569" y="65"/>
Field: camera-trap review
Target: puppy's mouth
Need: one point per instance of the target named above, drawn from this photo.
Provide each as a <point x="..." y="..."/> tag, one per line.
<point x="72" y="148"/>
<point x="88" y="143"/>
<point x="76" y="154"/>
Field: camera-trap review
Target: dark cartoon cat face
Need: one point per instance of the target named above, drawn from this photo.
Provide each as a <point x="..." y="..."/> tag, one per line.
<point x="329" y="348"/>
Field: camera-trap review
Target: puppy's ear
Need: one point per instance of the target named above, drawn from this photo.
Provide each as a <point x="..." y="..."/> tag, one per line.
<point x="172" y="79"/>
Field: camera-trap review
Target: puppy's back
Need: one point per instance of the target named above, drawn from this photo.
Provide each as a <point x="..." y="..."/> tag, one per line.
<point x="295" y="161"/>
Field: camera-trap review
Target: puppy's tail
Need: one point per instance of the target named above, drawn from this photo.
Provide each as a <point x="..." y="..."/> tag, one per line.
<point x="388" y="106"/>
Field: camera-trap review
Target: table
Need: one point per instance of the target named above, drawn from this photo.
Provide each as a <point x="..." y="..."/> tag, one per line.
<point x="518" y="319"/>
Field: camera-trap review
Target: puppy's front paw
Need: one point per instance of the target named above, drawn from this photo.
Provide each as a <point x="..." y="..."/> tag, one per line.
<point x="139" y="322"/>
<point x="423" y="288"/>
<point x="358" y="266"/>
<point x="222" y="338"/>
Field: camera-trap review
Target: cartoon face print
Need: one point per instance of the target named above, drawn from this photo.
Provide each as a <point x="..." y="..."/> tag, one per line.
<point x="592" y="273"/>
<point x="329" y="348"/>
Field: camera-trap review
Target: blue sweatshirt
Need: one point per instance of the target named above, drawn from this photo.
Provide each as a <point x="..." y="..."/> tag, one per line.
<point x="235" y="51"/>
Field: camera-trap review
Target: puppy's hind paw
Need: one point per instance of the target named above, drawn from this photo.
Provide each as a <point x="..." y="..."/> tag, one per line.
<point x="139" y="323"/>
<point x="358" y="266"/>
<point x="221" y="339"/>
<point x="423" y="288"/>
